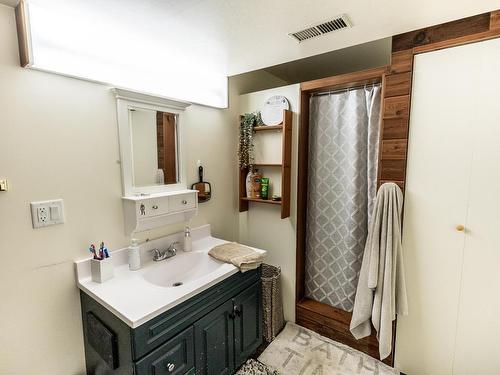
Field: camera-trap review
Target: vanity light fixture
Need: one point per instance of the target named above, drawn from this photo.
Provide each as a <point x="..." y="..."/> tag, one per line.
<point x="54" y="36"/>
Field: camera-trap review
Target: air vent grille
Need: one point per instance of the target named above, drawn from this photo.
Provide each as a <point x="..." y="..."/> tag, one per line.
<point x="325" y="27"/>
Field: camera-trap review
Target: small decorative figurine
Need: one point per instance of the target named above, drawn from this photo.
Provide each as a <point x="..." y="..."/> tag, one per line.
<point x="143" y="209"/>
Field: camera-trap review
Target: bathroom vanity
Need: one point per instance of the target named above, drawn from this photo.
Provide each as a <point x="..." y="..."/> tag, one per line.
<point x="183" y="313"/>
<point x="140" y="323"/>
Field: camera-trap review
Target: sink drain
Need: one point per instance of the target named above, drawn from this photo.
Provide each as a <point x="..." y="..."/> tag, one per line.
<point x="178" y="283"/>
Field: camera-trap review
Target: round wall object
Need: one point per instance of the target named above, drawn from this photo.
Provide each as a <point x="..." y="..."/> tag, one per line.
<point x="272" y="113"/>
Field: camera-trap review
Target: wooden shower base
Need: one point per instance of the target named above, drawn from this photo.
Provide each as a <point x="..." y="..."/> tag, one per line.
<point x="334" y="323"/>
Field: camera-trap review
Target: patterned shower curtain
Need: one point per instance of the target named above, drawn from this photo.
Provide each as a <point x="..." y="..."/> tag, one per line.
<point x="343" y="160"/>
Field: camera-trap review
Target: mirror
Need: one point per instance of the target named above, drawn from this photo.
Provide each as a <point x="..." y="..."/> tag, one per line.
<point x="154" y="139"/>
<point x="150" y="129"/>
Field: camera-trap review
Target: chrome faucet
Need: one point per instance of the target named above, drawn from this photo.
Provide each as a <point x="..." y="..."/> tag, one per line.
<point x="169" y="253"/>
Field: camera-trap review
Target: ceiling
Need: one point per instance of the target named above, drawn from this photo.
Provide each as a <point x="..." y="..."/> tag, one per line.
<point x="248" y="35"/>
<point x="345" y="60"/>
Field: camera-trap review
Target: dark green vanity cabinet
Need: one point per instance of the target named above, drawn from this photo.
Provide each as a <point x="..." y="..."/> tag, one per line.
<point x="212" y="333"/>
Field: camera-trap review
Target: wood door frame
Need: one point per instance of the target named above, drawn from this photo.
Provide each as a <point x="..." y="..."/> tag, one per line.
<point x="320" y="317"/>
<point x="396" y="95"/>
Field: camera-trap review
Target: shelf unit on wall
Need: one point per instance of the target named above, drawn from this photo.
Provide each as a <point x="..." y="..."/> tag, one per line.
<point x="286" y="164"/>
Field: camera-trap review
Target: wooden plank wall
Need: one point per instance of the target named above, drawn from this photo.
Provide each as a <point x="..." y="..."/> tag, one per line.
<point x="395" y="118"/>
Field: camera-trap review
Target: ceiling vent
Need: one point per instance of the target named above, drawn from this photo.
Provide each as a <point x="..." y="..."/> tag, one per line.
<point x="322" y="28"/>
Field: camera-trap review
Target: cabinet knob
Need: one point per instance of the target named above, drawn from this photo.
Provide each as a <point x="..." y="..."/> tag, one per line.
<point x="460" y="228"/>
<point x="170" y="367"/>
<point x="237" y="310"/>
<point x="184" y="201"/>
<point x="155" y="207"/>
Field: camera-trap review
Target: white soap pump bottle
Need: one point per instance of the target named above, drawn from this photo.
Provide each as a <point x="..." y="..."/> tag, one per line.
<point x="134" y="255"/>
<point x="188" y="243"/>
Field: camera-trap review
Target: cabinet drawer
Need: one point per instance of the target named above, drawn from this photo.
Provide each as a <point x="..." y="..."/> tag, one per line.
<point x="175" y="357"/>
<point x="152" y="207"/>
<point x="182" y="202"/>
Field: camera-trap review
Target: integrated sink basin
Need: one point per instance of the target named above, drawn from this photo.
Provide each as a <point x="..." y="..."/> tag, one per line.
<point x="138" y="296"/>
<point x="181" y="269"/>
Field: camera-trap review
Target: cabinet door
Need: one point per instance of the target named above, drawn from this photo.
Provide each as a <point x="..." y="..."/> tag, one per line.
<point x="247" y="322"/>
<point x="214" y="337"/>
<point x="477" y="345"/>
<point x="437" y="190"/>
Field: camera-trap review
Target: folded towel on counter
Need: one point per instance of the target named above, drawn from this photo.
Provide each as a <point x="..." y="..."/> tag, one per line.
<point x="381" y="292"/>
<point x="243" y="257"/>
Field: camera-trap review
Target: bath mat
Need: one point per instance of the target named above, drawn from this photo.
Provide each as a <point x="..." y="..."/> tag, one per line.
<point x="300" y="351"/>
<point x="253" y="367"/>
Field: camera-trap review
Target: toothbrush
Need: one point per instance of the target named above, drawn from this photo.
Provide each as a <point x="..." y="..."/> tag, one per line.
<point x="105" y="250"/>
<point x="101" y="252"/>
<point x="92" y="250"/>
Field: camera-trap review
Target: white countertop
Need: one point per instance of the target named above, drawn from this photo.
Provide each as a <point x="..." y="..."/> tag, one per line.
<point x="132" y="298"/>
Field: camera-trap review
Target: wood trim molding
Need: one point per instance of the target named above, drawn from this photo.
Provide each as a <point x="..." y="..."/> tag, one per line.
<point x="344" y="81"/>
<point x="495" y="20"/>
<point x="451" y="34"/>
<point x="435" y="34"/>
<point x="23" y="34"/>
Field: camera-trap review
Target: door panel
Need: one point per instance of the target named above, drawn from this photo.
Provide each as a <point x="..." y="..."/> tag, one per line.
<point x="247" y="323"/>
<point x="438" y="173"/>
<point x="478" y="330"/>
<point x="214" y="342"/>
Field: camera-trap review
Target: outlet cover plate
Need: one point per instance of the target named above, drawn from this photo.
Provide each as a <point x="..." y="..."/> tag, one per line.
<point x="45" y="213"/>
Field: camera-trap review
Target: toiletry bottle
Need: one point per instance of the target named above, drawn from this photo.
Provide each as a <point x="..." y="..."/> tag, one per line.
<point x="248" y="182"/>
<point x="264" y="188"/>
<point x="134" y="255"/>
<point x="188" y="245"/>
<point x="256" y="184"/>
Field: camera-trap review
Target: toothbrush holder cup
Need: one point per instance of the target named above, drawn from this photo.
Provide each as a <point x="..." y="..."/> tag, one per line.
<point x="101" y="270"/>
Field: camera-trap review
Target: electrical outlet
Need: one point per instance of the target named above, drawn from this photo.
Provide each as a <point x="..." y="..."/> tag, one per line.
<point x="42" y="214"/>
<point x="47" y="213"/>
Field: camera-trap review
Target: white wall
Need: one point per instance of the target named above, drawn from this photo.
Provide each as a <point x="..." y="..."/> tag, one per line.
<point x="261" y="225"/>
<point x="58" y="139"/>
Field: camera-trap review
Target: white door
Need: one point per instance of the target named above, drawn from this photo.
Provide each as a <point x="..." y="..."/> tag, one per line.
<point x="449" y="170"/>
<point x="478" y="329"/>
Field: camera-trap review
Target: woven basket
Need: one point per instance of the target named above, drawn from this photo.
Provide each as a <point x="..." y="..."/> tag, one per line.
<point x="272" y="301"/>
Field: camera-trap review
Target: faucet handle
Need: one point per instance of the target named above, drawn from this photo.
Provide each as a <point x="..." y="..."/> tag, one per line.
<point x="172" y="246"/>
<point x="156" y="254"/>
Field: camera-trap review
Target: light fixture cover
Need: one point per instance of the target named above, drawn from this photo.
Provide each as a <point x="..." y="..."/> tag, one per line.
<point x="127" y="44"/>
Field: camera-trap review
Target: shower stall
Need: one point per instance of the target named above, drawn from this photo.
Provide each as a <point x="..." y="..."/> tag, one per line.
<point x="342" y="183"/>
<point x="338" y="175"/>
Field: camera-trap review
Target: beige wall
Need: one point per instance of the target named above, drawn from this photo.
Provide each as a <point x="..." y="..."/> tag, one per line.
<point x="261" y="225"/>
<point x="58" y="139"/>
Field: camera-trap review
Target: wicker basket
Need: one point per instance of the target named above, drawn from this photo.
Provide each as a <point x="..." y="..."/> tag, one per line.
<point x="272" y="301"/>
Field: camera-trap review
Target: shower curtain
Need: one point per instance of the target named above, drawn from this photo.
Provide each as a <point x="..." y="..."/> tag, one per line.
<point x="343" y="160"/>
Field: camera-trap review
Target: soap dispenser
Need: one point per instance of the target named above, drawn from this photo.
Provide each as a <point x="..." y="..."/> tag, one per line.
<point x="188" y="244"/>
<point x="134" y="255"/>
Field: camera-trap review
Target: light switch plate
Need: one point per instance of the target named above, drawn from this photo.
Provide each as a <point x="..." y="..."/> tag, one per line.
<point x="4" y="185"/>
<point x="45" y="213"/>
